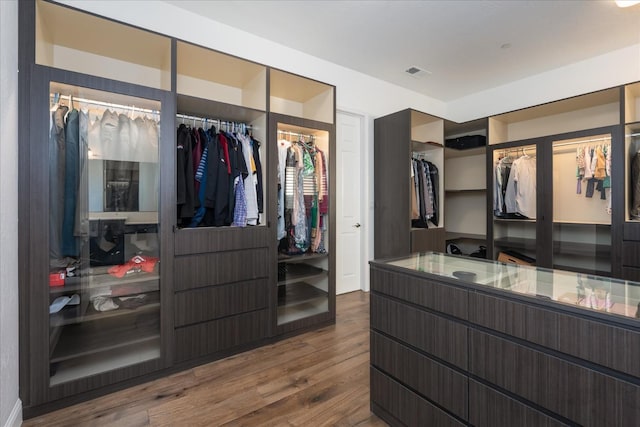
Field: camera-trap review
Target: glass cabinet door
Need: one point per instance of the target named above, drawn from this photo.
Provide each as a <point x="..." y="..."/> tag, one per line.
<point x="514" y="204"/>
<point x="582" y="204"/>
<point x="303" y="223"/>
<point x="632" y="161"/>
<point x="104" y="255"/>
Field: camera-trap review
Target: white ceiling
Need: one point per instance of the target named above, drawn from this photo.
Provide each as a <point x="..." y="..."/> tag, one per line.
<point x="459" y="42"/>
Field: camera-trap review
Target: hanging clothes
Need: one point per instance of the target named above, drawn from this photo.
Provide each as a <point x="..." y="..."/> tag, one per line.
<point x="424" y="193"/>
<point x="230" y="157"/>
<point x="514" y="187"/>
<point x="635" y="186"/>
<point x="303" y="199"/>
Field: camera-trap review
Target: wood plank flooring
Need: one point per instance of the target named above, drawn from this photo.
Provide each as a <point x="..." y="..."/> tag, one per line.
<point x="320" y="378"/>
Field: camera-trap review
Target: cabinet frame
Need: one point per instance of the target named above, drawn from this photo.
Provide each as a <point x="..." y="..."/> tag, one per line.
<point x="33" y="173"/>
<point x="329" y="316"/>
<point x="544" y="192"/>
<point x="254" y="321"/>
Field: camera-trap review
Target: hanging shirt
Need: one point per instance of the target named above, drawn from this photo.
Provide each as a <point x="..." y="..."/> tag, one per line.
<point x="250" y="182"/>
<point x="522" y="187"/>
<point x="282" y="162"/>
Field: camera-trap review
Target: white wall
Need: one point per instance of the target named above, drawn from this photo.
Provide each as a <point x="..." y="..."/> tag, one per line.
<point x="601" y="72"/>
<point x="10" y="405"/>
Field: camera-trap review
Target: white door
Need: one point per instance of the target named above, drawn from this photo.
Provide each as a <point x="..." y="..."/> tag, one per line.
<point x="349" y="133"/>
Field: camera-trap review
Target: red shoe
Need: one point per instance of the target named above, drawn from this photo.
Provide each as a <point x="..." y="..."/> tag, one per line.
<point x="137" y="264"/>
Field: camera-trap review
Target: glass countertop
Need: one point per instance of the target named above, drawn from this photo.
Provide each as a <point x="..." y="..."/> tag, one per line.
<point x="587" y="291"/>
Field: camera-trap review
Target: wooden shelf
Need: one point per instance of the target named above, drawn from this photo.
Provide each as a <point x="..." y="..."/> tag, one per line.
<point x="215" y="76"/>
<point x="80" y="42"/>
<point x="580" y="248"/>
<point x="299" y="272"/>
<point x="450" y="153"/>
<point x="200" y="107"/>
<point x="104" y="361"/>
<point x="301" y="301"/>
<point x="465" y="190"/>
<point x="79" y="341"/>
<point x="301" y="97"/>
<point x="515" y="243"/>
<point x="506" y="220"/>
<point x="301" y="293"/>
<point x="451" y="235"/>
<point x="301" y="258"/>
<point x="70" y="315"/>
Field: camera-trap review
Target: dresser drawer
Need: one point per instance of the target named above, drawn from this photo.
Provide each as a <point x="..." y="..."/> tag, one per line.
<point x="198" y="271"/>
<point x="211" y="337"/>
<point x="389" y="397"/>
<point x="431" y="379"/>
<point x="435" y="335"/>
<point x="212" y="302"/>
<point x="421" y="291"/>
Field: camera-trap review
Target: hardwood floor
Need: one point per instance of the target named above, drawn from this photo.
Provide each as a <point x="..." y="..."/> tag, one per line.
<point x="320" y="378"/>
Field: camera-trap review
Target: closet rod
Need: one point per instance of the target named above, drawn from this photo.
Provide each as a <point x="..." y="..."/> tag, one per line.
<point x="201" y="119"/>
<point x="301" y="135"/>
<point x="106" y="104"/>
<point x="583" y="141"/>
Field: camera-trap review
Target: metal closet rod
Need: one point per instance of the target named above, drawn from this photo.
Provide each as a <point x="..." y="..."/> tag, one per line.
<point x="219" y="121"/>
<point x="105" y="104"/>
<point x="301" y="135"/>
<point x="583" y="141"/>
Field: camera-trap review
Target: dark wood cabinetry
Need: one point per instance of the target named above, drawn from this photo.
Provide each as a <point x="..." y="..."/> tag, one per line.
<point x="497" y="357"/>
<point x="207" y="292"/>
<point x="398" y="138"/>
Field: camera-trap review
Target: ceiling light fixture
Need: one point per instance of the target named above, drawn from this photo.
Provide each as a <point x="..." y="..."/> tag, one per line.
<point x="627" y="3"/>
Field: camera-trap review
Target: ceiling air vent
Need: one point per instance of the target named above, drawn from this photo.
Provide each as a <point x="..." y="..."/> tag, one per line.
<point x="416" y="72"/>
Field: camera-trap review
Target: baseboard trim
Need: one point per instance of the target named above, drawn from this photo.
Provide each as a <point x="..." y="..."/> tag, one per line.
<point x="15" y="417"/>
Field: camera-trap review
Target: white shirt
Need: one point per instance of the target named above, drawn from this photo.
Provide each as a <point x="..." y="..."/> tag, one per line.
<point x="523" y="174"/>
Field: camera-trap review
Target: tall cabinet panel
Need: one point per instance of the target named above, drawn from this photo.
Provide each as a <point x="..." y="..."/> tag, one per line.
<point x="554" y="173"/>
<point x="631" y="159"/>
<point x="95" y="301"/>
<point x="222" y="227"/>
<point x="302" y="139"/>
<point x="408" y="184"/>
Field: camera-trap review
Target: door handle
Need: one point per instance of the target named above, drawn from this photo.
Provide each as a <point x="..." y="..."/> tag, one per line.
<point x="357" y="225"/>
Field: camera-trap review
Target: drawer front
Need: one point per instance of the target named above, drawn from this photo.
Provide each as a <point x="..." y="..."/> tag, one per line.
<point x="433" y="334"/>
<point x="421" y="291"/>
<point x="189" y="241"/>
<point x="490" y="408"/>
<point x="588" y="340"/>
<point x="631" y="254"/>
<point x="198" y="271"/>
<point x="498" y="314"/>
<point x="631" y="273"/>
<point x="574" y="392"/>
<point x="203" y="304"/>
<point x="405" y="406"/>
<point x="217" y="335"/>
<point x="431" y="379"/>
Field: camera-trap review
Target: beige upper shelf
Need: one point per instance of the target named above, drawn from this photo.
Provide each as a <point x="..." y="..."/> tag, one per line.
<point x="216" y="76"/>
<point x="582" y="112"/>
<point x="80" y="42"/>
<point x="301" y="97"/>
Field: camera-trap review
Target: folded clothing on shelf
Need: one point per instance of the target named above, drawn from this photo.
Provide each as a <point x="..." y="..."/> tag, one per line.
<point x="137" y="264"/>
<point x="60" y="302"/>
